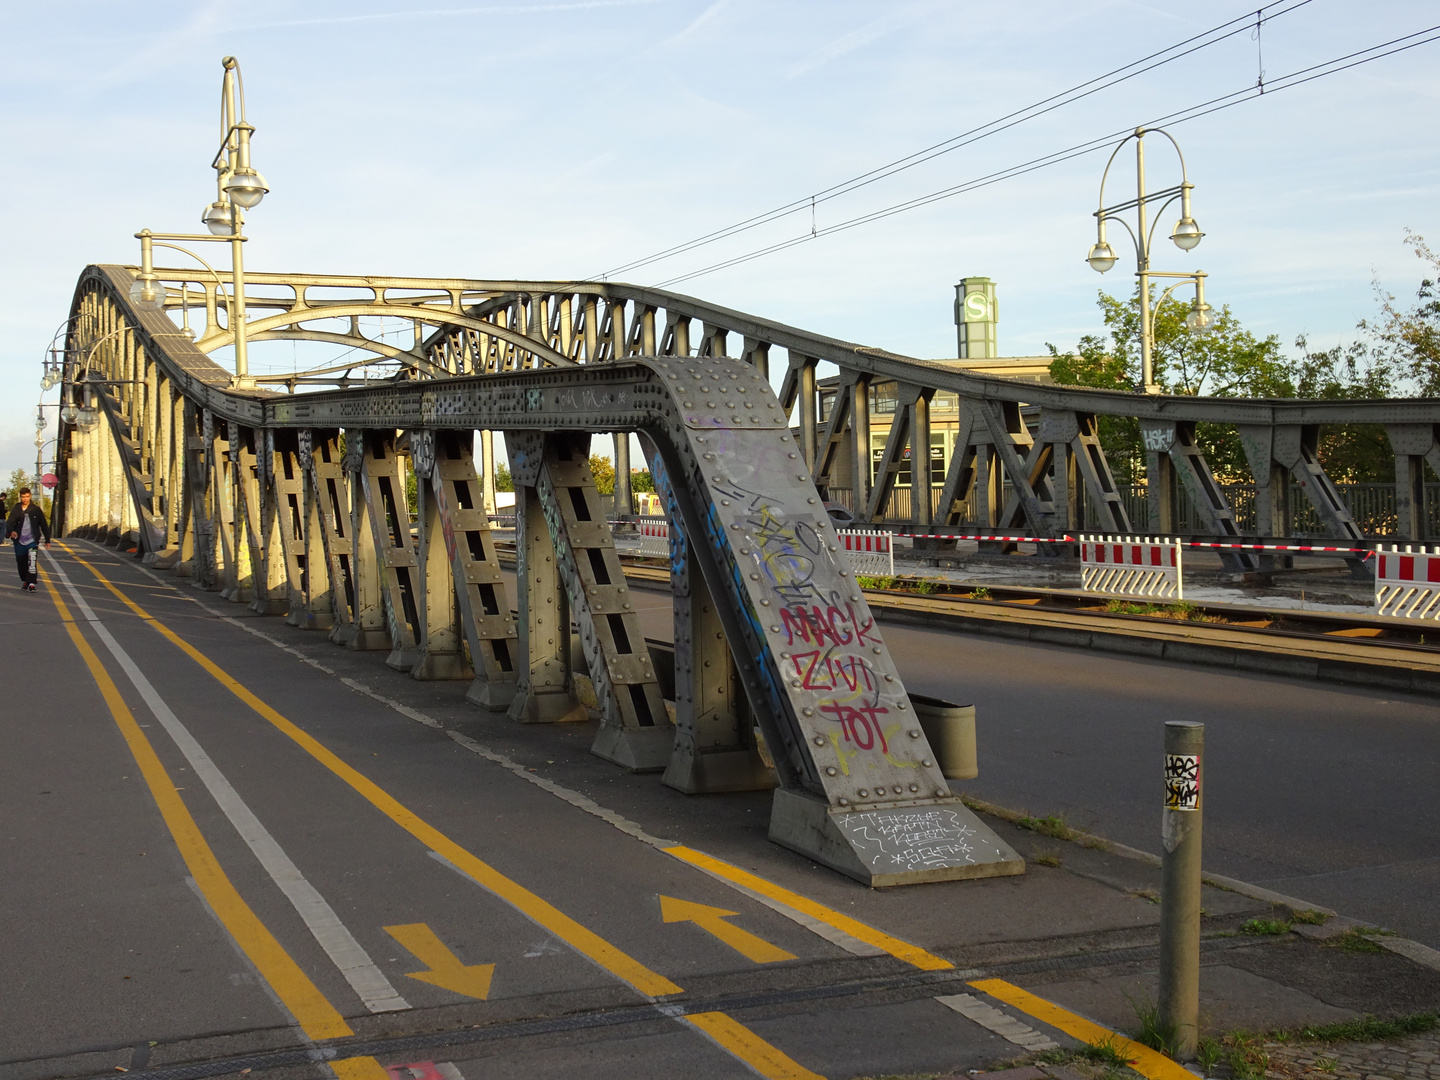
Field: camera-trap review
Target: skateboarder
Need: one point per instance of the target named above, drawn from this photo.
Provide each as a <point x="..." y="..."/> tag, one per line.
<point x="25" y="526"/>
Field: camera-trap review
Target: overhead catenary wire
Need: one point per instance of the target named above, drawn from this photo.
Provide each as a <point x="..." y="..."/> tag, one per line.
<point x="1090" y="146"/>
<point x="1216" y="34"/>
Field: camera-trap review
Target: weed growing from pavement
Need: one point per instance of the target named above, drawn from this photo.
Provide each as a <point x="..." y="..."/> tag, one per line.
<point x="1208" y="1053"/>
<point x="980" y="592"/>
<point x="1048" y="857"/>
<point x="1053" y="826"/>
<point x="1261" y="927"/>
<point x="1309" y="918"/>
<point x="1154" y="1031"/>
<point x="1146" y="894"/>
<point x="1355" y="940"/>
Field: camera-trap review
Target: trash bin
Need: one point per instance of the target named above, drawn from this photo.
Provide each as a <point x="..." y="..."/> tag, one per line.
<point x="950" y="730"/>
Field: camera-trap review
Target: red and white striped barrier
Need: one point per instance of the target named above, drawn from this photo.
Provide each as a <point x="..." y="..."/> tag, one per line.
<point x="654" y="538"/>
<point x="1407" y="582"/>
<point x="1146" y="568"/>
<point x="1235" y="546"/>
<point x="869" y="553"/>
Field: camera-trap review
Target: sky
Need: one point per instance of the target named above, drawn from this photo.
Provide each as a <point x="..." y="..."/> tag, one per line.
<point x="568" y="139"/>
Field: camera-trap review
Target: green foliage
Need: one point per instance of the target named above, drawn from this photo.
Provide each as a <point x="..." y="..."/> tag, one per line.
<point x="1409" y="339"/>
<point x="925" y="587"/>
<point x="1309" y="918"/>
<point x="18" y="478"/>
<point x="503" y="480"/>
<point x="603" y="470"/>
<point x="1355" y="941"/>
<point x="885" y="581"/>
<point x="980" y="592"/>
<point x="641" y="480"/>
<point x="1261" y="927"/>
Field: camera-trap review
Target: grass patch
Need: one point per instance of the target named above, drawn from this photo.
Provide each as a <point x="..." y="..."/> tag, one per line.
<point x="1048" y="857"/>
<point x="925" y="587"/>
<point x="1309" y="918"/>
<point x="1208" y="1053"/>
<point x="1369" y="1029"/>
<point x="1261" y="927"/>
<point x="980" y="592"/>
<point x="1246" y="1055"/>
<point x="1052" y="826"/>
<point x="1356" y="940"/>
<point x="1145" y="894"/>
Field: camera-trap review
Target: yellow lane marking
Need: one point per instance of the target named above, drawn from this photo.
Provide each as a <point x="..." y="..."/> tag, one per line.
<point x="728" y="1033"/>
<point x="585" y="941"/>
<point x="901" y="950"/>
<point x="445" y="968"/>
<point x="1142" y="1059"/>
<point x="317" y="1018"/>
<point x="712" y="921"/>
<point x="749" y="1047"/>
<point x="359" y="1068"/>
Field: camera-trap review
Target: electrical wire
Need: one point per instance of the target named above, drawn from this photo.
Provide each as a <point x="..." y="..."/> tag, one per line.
<point x="1090" y="146"/>
<point x="1195" y="43"/>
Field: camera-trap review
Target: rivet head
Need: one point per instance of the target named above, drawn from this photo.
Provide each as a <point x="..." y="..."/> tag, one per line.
<point x="764" y="603"/>
<point x="914" y="787"/>
<point x="844" y="802"/>
<point x="898" y="790"/>
<point x="913" y="734"/>
<point x="819" y="740"/>
<point x="888" y="678"/>
<point x="774" y="629"/>
<point x="808" y="712"/>
<point x="794" y="455"/>
<point x="795" y="683"/>
<point x="862" y="793"/>
<point x="926" y="762"/>
<point x="830" y="771"/>
<point x="941" y="792"/>
<point x="901" y="705"/>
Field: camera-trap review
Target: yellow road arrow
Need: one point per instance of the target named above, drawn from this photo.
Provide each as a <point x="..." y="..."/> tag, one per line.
<point x="446" y="970"/>
<point x="712" y="921"/>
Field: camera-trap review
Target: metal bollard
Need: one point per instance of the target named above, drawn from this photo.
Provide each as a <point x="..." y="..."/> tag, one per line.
<point x="1180" y="885"/>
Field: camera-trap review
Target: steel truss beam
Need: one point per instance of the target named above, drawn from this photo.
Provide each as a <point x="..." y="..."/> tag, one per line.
<point x="298" y="502"/>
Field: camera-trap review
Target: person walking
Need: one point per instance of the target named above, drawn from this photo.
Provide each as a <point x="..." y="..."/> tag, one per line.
<point x="25" y="525"/>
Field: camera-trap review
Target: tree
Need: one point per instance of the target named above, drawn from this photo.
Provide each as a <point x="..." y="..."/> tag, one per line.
<point x="1409" y="341"/>
<point x="604" y="473"/>
<point x="503" y="481"/>
<point x="1229" y="361"/>
<point x="1355" y="453"/>
<point x="18" y="478"/>
<point x="641" y="480"/>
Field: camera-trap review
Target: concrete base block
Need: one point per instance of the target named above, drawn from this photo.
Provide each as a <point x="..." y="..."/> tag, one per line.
<point x="640" y="749"/>
<point x="183" y="568"/>
<point x="162" y="560"/>
<point x="441" y="666"/>
<point x="494" y="697"/>
<point x="706" y="772"/>
<point x="306" y="619"/>
<point x="342" y="633"/>
<point x="402" y="659"/>
<point x="901" y="843"/>
<point x="369" y="640"/>
<point x="553" y="707"/>
<point x="265" y="606"/>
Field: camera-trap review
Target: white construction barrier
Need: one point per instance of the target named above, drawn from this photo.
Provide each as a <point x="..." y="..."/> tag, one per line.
<point x="1407" y="582"/>
<point x="1145" y="568"/>
<point x="870" y="553"/>
<point x="654" y="538"/>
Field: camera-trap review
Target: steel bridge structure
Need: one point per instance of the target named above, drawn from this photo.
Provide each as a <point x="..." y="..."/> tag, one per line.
<point x="291" y="496"/>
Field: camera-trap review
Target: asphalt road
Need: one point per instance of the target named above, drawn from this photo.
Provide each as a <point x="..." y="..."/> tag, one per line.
<point x="214" y="847"/>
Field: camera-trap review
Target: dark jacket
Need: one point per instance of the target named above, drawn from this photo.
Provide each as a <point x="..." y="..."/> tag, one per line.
<point x="38" y="525"/>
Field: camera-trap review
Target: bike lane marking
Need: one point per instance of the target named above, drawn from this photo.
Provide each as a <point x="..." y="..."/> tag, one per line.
<point x="310" y="1009"/>
<point x="723" y="1030"/>
<point x="360" y="971"/>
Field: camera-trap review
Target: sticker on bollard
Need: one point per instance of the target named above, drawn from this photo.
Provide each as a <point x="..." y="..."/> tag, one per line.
<point x="1182" y="782"/>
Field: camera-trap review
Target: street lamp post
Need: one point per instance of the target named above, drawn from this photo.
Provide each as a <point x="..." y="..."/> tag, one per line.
<point x="1186" y="236"/>
<point x="238" y="188"/>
